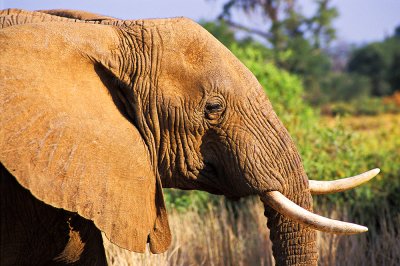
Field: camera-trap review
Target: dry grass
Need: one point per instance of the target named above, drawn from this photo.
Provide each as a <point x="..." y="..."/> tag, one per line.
<point x="218" y="236"/>
<point x="380" y="246"/>
<point x="214" y="237"/>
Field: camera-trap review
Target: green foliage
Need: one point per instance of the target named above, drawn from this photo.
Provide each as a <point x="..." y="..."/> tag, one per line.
<point x="370" y="62"/>
<point x="299" y="43"/>
<point x="343" y="87"/>
<point x="368" y="106"/>
<point x="379" y="62"/>
<point x="372" y="71"/>
<point x="340" y="109"/>
<point x="330" y="153"/>
<point x="326" y="153"/>
<point x="311" y="64"/>
<point x="394" y="72"/>
<point x="220" y="30"/>
<point x="320" y="23"/>
<point x="285" y="21"/>
<point x="361" y="107"/>
<point x="182" y="200"/>
<point x="284" y="90"/>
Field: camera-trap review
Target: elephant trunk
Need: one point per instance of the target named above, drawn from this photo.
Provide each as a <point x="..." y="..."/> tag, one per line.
<point x="288" y="203"/>
<point x="292" y="221"/>
<point x="293" y="243"/>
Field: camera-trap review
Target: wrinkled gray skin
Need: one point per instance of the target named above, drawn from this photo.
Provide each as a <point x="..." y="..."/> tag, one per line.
<point x="209" y="126"/>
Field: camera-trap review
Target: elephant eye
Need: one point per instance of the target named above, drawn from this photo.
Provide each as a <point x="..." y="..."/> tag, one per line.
<point x="213" y="110"/>
<point x="213" y="107"/>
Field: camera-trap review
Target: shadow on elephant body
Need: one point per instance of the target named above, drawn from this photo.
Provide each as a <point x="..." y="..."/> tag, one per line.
<point x="117" y="90"/>
<point x="35" y="233"/>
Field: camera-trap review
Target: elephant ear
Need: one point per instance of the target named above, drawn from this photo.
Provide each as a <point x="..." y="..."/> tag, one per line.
<point x="64" y="136"/>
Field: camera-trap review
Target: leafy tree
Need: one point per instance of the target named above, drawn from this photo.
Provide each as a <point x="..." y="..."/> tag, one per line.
<point x="369" y="61"/>
<point x="380" y="63"/>
<point x="320" y="24"/>
<point x="394" y="72"/>
<point x="312" y="65"/>
<point x="221" y="31"/>
<point x="345" y="87"/>
<point x="397" y="32"/>
<point x="284" y="21"/>
<point x="225" y="34"/>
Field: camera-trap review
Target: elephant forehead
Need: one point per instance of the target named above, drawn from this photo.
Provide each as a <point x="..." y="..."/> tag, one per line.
<point x="193" y="62"/>
<point x="206" y="68"/>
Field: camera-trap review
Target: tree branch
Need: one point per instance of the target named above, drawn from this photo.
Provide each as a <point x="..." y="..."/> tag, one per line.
<point x="263" y="34"/>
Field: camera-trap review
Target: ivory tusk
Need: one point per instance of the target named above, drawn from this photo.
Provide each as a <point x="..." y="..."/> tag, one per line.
<point x="326" y="187"/>
<point x="286" y="207"/>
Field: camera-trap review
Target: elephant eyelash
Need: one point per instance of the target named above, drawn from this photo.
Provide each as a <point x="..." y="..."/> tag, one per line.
<point x="213" y="107"/>
<point x="213" y="112"/>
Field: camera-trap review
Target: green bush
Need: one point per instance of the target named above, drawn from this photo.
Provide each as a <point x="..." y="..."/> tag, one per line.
<point x="284" y="90"/>
<point x="182" y="200"/>
<point x="344" y="87"/>
<point x="369" y="106"/>
<point x="361" y="107"/>
<point x="330" y="153"/>
<point x="342" y="109"/>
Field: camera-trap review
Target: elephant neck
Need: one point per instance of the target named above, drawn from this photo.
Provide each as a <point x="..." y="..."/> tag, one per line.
<point x="137" y="70"/>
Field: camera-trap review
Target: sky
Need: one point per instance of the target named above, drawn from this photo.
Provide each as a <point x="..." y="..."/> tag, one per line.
<point x="360" y="21"/>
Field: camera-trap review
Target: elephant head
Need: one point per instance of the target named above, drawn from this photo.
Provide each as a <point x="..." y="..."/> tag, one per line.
<point x="98" y="115"/>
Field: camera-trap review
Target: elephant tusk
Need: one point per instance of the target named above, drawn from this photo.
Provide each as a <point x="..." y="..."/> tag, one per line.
<point x="326" y="187"/>
<point x="286" y="207"/>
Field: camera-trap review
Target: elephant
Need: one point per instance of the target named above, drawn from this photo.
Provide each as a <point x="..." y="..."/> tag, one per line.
<point x="99" y="114"/>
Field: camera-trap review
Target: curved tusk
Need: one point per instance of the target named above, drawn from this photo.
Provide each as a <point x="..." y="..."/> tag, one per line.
<point x="326" y="187"/>
<point x="286" y="207"/>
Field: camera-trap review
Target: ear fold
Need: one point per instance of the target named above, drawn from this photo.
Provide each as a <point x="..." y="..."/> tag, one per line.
<point x="63" y="137"/>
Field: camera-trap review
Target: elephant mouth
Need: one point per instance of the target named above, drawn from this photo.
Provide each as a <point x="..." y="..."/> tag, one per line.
<point x="209" y="170"/>
<point x="208" y="179"/>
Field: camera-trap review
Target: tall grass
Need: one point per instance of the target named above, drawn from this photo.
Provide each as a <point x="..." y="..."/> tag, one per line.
<point x="223" y="235"/>
<point x="379" y="246"/>
<point x="216" y="236"/>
